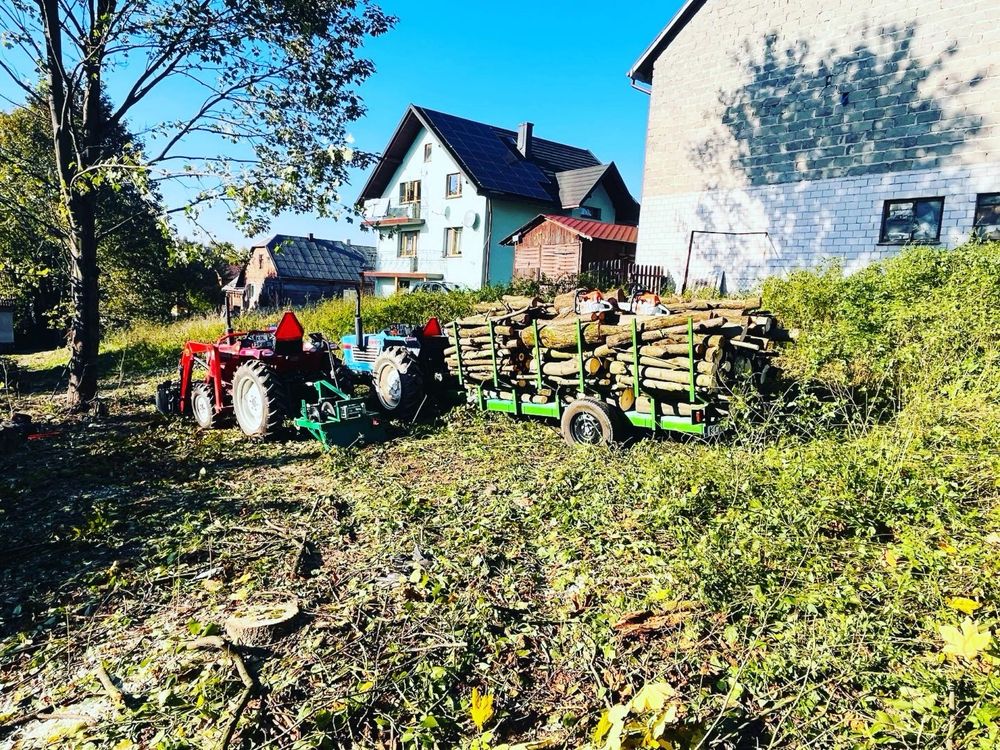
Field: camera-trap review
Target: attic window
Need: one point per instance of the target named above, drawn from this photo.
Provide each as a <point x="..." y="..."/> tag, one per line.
<point x="428" y="148"/>
<point x="454" y="186"/>
<point x="260" y="260"/>
<point x="589" y="212"/>
<point x="409" y="192"/>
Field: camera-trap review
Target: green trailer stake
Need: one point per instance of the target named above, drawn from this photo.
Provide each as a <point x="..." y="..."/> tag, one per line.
<point x="584" y="415"/>
<point x="336" y="419"/>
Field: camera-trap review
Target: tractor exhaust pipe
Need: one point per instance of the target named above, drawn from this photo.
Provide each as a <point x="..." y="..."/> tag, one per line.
<point x="229" y="316"/>
<point x="359" y="328"/>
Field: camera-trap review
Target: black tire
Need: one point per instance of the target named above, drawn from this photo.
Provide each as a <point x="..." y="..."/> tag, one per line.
<point x="259" y="400"/>
<point x="591" y="422"/>
<point x="398" y="383"/>
<point x="203" y="406"/>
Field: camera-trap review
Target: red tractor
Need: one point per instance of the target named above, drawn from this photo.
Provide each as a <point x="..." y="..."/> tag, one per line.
<point x="259" y="378"/>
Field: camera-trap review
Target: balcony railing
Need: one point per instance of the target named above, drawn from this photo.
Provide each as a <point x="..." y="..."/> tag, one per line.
<point x="398" y="265"/>
<point x="378" y="214"/>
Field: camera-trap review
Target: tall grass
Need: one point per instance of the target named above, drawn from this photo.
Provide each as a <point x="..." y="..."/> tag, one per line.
<point x="147" y="347"/>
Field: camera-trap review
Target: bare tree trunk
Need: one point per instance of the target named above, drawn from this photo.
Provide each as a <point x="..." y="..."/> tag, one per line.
<point x="85" y="331"/>
<point x="73" y="156"/>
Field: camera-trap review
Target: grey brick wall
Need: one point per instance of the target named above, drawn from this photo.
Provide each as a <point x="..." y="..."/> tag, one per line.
<point x="766" y="116"/>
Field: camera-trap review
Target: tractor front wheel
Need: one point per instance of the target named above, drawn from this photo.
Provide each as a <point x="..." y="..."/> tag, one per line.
<point x="203" y="406"/>
<point x="258" y="400"/>
<point x="399" y="383"/>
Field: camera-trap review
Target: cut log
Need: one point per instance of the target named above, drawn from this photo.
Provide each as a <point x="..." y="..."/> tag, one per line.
<point x="566" y="301"/>
<point x="644" y="405"/>
<point x="263" y="625"/>
<point x="564" y="335"/>
<point x="657" y="322"/>
<point x="591" y="366"/>
<point x="654" y="385"/>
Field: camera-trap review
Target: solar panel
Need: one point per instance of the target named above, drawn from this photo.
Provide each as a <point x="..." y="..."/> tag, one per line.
<point x="489" y="155"/>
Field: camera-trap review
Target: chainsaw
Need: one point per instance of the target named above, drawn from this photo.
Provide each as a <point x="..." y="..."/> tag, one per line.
<point x="595" y="305"/>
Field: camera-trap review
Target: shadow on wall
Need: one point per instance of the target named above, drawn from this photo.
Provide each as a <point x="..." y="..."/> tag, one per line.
<point x="801" y="117"/>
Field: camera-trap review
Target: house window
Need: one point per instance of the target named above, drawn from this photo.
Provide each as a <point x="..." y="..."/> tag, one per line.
<point x="589" y="212"/>
<point x="912" y="220"/>
<point x="260" y="260"/>
<point x="987" y="224"/>
<point x="408" y="244"/>
<point x="454" y="186"/>
<point x="428" y="148"/>
<point x="409" y="192"/>
<point x="453" y="241"/>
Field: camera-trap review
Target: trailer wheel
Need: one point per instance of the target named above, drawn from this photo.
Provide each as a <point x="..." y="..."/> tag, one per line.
<point x="399" y="383"/>
<point x="258" y="400"/>
<point x="591" y="422"/>
<point x="203" y="406"/>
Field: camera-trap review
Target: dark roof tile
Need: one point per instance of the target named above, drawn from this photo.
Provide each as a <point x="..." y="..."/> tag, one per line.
<point x="318" y="259"/>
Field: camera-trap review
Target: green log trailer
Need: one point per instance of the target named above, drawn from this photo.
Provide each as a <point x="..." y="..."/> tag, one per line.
<point x="587" y="416"/>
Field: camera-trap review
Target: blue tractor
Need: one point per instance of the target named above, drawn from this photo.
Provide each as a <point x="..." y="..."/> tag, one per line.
<point x="404" y="364"/>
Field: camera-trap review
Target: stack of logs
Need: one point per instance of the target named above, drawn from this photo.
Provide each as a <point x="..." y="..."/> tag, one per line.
<point x="733" y="341"/>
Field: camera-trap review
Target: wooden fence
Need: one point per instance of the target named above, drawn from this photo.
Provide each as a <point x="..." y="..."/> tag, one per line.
<point x="629" y="276"/>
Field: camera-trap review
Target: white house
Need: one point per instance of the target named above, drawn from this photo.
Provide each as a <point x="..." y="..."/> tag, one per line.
<point x="448" y="190"/>
<point x="783" y="133"/>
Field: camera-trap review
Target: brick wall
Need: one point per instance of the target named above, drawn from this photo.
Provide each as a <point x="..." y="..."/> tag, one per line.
<point x="800" y="118"/>
<point x="260" y="268"/>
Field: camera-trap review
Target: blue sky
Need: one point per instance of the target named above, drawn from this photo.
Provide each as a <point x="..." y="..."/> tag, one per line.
<point x="559" y="63"/>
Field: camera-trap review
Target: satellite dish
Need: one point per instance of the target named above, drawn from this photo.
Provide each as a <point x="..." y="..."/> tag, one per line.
<point x="471" y="219"/>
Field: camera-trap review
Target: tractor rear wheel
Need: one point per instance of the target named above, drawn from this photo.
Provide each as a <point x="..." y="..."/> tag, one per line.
<point x="398" y="382"/>
<point x="203" y="406"/>
<point x="259" y="400"/>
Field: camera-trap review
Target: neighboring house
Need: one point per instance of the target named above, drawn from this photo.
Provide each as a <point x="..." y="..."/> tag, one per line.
<point x="290" y="270"/>
<point x="448" y="190"/>
<point x="554" y="247"/>
<point x="6" y="324"/>
<point x="811" y="130"/>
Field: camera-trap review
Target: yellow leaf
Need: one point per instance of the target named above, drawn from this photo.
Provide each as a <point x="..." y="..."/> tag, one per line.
<point x="652" y="697"/>
<point x="968" y="642"/>
<point x="611" y="726"/>
<point x="947" y="548"/>
<point x="890" y="558"/>
<point x="211" y="585"/>
<point x="962" y="604"/>
<point x="481" y="709"/>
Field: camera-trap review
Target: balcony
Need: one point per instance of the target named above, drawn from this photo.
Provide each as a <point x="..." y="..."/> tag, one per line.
<point x="398" y="265"/>
<point x="380" y="214"/>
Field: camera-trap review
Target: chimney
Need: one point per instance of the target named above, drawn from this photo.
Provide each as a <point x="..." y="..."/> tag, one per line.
<point x="524" y="133"/>
<point x="311" y="237"/>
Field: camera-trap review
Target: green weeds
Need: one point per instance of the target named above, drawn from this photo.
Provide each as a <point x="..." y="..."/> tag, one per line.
<point x="829" y="585"/>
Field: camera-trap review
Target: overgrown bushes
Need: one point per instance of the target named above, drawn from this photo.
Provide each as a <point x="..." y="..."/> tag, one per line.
<point x="926" y="320"/>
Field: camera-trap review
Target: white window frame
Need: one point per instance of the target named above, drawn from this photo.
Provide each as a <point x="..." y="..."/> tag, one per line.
<point x="455" y="232"/>
<point x="403" y="242"/>
<point x="447" y="185"/>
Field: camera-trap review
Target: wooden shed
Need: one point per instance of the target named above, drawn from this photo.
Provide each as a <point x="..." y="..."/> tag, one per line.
<point x="552" y="247"/>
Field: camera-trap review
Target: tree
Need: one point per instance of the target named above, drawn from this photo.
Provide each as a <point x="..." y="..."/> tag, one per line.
<point x="270" y="87"/>
<point x="134" y="250"/>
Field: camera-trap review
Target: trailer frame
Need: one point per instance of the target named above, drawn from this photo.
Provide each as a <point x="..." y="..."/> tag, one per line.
<point x="698" y="424"/>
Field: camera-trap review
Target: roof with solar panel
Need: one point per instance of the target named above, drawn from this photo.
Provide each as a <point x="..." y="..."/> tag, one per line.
<point x="488" y="155"/>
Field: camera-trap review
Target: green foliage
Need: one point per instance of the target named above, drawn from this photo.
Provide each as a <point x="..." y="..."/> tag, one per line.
<point x="144" y="273"/>
<point x="921" y="322"/>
